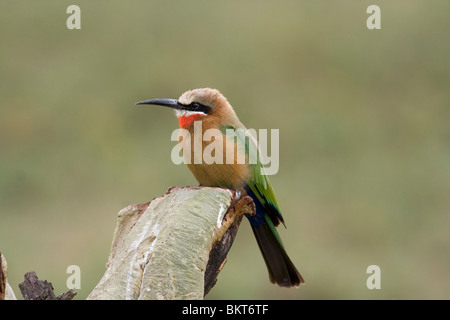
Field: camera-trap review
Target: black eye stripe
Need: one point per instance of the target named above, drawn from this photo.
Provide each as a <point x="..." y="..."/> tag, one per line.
<point x="196" y="106"/>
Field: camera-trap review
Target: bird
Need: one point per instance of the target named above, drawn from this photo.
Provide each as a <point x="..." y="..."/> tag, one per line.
<point x="209" y="108"/>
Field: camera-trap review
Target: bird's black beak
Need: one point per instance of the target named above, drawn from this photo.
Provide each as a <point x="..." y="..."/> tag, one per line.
<point x="175" y="104"/>
<point x="171" y="103"/>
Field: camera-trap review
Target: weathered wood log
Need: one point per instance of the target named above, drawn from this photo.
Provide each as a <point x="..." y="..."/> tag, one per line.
<point x="173" y="247"/>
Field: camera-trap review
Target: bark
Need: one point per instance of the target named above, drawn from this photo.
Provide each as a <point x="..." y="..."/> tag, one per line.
<point x="34" y="289"/>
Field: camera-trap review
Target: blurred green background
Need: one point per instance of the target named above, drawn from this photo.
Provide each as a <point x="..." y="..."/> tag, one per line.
<point x="364" y="134"/>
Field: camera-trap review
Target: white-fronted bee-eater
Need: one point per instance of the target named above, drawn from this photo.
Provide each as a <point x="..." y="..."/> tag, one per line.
<point x="212" y="109"/>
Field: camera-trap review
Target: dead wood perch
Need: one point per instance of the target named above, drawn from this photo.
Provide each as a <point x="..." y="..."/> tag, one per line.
<point x="173" y="247"/>
<point x="34" y="289"/>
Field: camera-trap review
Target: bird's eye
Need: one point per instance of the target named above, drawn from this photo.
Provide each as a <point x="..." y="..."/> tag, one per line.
<point x="198" y="107"/>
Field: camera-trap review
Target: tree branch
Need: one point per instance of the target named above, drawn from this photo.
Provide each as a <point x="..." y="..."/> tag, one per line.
<point x="173" y="247"/>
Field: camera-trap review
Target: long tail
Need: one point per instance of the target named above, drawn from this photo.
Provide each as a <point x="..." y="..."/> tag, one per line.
<point x="281" y="269"/>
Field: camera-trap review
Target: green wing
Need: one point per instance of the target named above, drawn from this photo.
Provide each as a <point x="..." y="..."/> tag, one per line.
<point x="259" y="182"/>
<point x="281" y="269"/>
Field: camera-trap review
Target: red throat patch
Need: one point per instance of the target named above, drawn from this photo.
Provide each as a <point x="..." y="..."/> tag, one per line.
<point x="185" y="121"/>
